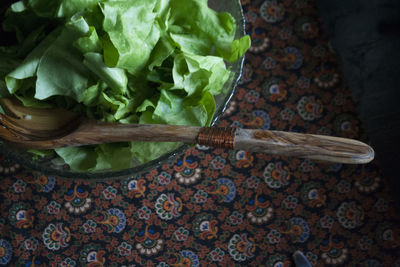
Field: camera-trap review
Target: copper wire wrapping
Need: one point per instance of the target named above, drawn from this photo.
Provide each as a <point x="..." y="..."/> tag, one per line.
<point x="217" y="137"/>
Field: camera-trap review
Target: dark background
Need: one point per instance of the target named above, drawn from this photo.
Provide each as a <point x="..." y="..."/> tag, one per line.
<point x="366" y="38"/>
<point x="6" y="38"/>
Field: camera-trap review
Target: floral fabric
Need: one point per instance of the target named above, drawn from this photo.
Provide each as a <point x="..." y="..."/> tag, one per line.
<point x="219" y="207"/>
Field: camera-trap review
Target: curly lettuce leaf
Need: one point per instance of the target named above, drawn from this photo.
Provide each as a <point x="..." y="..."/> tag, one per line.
<point x="197" y="74"/>
<point x="28" y="67"/>
<point x="131" y="33"/>
<point x="115" y="78"/>
<point x="60" y="70"/>
<point x="200" y="30"/>
<point x="57" y="8"/>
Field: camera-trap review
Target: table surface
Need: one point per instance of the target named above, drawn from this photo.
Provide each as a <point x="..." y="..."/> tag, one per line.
<point x="218" y="207"/>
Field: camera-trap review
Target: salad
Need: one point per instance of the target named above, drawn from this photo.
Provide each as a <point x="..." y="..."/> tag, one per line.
<point x="125" y="61"/>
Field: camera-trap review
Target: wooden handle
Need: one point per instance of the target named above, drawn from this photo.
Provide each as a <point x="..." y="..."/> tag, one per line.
<point x="89" y="132"/>
<point x="317" y="147"/>
<point x="45" y="130"/>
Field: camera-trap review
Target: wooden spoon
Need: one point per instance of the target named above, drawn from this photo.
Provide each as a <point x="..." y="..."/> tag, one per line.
<point x="52" y="128"/>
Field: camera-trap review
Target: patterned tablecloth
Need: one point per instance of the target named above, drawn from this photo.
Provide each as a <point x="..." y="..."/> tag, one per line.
<point x="218" y="207"/>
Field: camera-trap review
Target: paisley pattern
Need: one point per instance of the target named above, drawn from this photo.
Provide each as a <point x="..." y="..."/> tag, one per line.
<point x="113" y="220"/>
<point x="91" y="255"/>
<point x="272" y="11"/>
<point x="5" y="252"/>
<point x="21" y="216"/>
<point x="350" y="214"/>
<point x="40" y="181"/>
<point x="313" y="194"/>
<point x="223" y="189"/>
<point x="134" y="188"/>
<point x="298" y="229"/>
<point x="241" y="247"/>
<point x="168" y="207"/>
<point x="334" y="252"/>
<point x="148" y="241"/>
<point x="275" y="90"/>
<point x="76" y="200"/>
<point x="187" y="171"/>
<point x="187" y="258"/>
<point x="205" y="227"/>
<point x="310" y="108"/>
<point x="56" y="236"/>
<point x="259" y="210"/>
<point x="276" y="174"/>
<point x="215" y="207"/>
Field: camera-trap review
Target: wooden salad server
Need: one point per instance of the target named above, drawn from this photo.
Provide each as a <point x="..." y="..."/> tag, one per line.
<point x="39" y="128"/>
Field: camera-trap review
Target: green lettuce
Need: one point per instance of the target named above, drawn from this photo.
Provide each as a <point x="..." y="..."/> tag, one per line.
<point x="142" y="61"/>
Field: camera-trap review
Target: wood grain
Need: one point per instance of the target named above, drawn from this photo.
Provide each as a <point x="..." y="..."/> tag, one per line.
<point x="88" y="132"/>
<point x="317" y="147"/>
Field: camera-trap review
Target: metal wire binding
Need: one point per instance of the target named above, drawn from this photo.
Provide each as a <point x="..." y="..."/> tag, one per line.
<point x="217" y="137"/>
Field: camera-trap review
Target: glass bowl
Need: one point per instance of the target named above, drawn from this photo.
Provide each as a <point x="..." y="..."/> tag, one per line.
<point x="47" y="166"/>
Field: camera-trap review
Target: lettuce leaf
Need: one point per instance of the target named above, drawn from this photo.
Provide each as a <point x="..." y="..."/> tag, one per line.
<point x="131" y="33"/>
<point x="71" y="77"/>
<point x="142" y="61"/>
